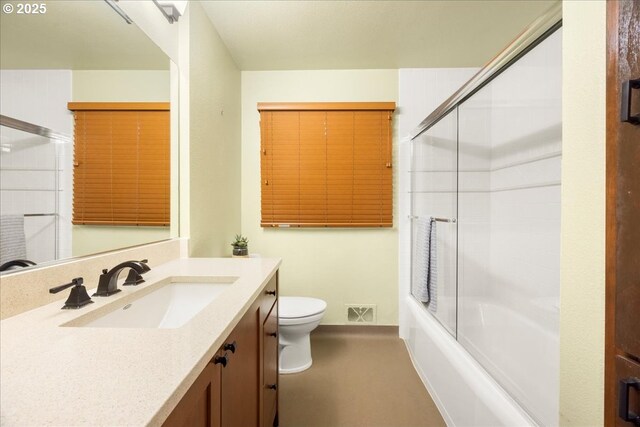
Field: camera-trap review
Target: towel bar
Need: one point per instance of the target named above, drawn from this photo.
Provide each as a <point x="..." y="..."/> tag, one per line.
<point x="437" y="219"/>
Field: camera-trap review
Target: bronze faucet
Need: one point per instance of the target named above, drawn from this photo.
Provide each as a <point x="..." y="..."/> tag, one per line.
<point x="108" y="282"/>
<point x="78" y="296"/>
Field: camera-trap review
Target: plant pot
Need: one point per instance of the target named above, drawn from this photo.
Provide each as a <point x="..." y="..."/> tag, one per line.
<point x="238" y="251"/>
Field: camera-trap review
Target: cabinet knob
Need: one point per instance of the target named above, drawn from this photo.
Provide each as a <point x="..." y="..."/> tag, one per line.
<point x="270" y="293"/>
<point x="273" y="334"/>
<point x="223" y="360"/>
<point x="272" y="386"/>
<point x="230" y="347"/>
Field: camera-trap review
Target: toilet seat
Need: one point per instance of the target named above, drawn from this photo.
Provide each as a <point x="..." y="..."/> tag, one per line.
<point x="286" y="321"/>
<point x="291" y="308"/>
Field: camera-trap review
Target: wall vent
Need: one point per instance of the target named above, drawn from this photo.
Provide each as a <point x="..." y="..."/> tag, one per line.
<point x="361" y="313"/>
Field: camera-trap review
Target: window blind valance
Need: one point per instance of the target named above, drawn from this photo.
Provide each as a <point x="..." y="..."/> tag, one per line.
<point x="121" y="164"/>
<point x="326" y="164"/>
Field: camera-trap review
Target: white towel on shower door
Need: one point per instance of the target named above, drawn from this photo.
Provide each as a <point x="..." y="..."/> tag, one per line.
<point x="13" y="244"/>
<point x="424" y="284"/>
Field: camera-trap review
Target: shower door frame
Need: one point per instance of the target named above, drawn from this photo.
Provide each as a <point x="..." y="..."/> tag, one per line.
<point x="528" y="39"/>
<point x="531" y="37"/>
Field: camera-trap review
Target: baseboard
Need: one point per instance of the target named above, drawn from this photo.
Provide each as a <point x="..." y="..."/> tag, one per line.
<point x="358" y="329"/>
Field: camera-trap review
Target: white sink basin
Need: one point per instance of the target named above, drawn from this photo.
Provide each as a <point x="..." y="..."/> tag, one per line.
<point x="168" y="306"/>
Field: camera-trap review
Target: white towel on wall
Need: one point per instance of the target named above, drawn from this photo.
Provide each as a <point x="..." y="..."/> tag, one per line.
<point x="13" y="244"/>
<point x="425" y="271"/>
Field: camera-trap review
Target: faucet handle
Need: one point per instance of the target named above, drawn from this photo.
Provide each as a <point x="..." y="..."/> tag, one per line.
<point x="133" y="278"/>
<point x="78" y="297"/>
<point x="75" y="282"/>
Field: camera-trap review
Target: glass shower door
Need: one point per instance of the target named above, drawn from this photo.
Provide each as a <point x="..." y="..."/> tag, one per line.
<point x="434" y="185"/>
<point x="510" y="138"/>
<point x="30" y="194"/>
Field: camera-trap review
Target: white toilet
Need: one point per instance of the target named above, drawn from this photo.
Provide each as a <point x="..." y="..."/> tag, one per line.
<point x="297" y="317"/>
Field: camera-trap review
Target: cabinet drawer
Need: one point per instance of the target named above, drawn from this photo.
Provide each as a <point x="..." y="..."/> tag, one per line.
<point x="270" y="367"/>
<point x="269" y="296"/>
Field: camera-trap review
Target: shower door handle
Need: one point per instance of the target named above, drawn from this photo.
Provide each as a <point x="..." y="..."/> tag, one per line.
<point x="623" y="399"/>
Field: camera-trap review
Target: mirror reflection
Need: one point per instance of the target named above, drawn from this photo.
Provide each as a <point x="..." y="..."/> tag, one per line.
<point x="78" y="52"/>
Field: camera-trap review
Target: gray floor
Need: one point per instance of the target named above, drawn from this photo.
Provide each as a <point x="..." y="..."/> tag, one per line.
<point x="357" y="379"/>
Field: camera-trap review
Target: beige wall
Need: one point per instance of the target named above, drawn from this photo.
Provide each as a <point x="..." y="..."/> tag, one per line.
<point x="121" y="85"/>
<point x="341" y="266"/>
<point x="117" y="86"/>
<point x="214" y="139"/>
<point x="583" y="215"/>
<point x="93" y="239"/>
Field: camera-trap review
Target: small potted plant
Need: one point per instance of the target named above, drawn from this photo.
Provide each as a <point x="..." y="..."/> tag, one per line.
<point x="240" y="246"/>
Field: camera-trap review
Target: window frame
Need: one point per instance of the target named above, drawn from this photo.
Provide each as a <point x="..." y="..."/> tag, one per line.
<point x="332" y="217"/>
<point x="147" y="202"/>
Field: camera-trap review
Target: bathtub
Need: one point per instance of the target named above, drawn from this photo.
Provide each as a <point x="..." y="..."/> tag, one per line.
<point x="465" y="393"/>
<point x="521" y="355"/>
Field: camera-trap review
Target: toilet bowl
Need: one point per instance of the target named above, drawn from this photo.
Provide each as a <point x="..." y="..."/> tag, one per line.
<point x="297" y="317"/>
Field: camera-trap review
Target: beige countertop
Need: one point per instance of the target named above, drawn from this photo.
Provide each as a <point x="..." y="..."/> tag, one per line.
<point x="58" y="375"/>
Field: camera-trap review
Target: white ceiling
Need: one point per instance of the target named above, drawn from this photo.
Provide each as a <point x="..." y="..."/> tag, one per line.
<point x="76" y="35"/>
<point x="298" y="35"/>
<point x="278" y="35"/>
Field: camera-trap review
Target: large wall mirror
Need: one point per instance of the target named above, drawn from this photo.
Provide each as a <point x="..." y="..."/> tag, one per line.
<point x="72" y="51"/>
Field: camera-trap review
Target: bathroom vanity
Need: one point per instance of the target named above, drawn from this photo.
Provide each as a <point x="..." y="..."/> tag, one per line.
<point x="212" y="364"/>
<point x="239" y="385"/>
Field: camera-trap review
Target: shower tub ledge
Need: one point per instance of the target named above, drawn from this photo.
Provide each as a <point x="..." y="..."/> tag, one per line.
<point x="464" y="392"/>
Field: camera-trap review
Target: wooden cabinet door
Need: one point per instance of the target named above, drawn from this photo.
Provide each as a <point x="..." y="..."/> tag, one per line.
<point x="270" y="368"/>
<point x="628" y="187"/>
<point x="622" y="350"/>
<point x="200" y="406"/>
<point x="240" y="378"/>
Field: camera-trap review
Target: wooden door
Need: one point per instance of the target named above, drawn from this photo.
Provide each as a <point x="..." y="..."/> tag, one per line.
<point x="622" y="351"/>
<point x="240" y="378"/>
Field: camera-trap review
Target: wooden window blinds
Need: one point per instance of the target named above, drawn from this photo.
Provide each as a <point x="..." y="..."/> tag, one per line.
<point x="326" y="164"/>
<point x="121" y="163"/>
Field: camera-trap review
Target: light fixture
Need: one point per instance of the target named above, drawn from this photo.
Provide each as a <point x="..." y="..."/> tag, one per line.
<point x="119" y="11"/>
<point x="171" y="10"/>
